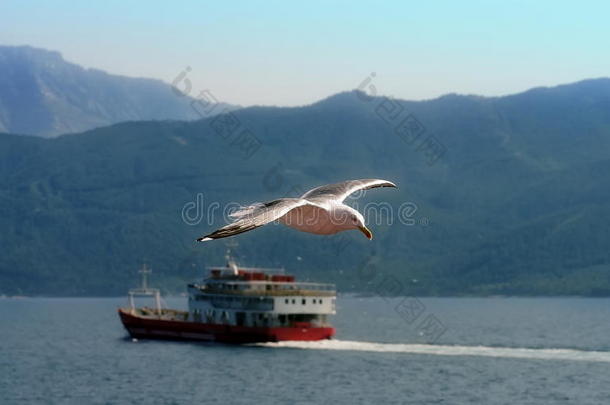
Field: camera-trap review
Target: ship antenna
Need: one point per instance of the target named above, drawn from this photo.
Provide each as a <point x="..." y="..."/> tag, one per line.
<point x="230" y="261"/>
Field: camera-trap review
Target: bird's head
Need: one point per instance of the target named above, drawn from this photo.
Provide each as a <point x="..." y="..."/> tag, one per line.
<point x="355" y="220"/>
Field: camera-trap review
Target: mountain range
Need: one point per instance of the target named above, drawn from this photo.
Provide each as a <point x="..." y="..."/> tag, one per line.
<point x="42" y="94"/>
<point x="497" y="195"/>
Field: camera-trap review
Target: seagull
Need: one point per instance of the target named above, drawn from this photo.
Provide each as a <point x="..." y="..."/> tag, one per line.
<point x="319" y="211"/>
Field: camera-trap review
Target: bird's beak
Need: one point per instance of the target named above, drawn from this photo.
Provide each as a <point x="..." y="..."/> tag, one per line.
<point x="366" y="232"/>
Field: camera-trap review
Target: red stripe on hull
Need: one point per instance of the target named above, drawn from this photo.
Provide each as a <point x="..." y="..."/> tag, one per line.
<point x="146" y="328"/>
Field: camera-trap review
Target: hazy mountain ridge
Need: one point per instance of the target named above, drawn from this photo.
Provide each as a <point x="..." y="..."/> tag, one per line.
<point x="42" y="94"/>
<point x="516" y="205"/>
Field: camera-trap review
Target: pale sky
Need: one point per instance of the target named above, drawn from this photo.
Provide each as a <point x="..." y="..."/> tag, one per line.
<point x="294" y="53"/>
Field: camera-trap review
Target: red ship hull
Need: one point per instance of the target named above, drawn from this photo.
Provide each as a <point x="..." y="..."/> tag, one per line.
<point x="149" y="328"/>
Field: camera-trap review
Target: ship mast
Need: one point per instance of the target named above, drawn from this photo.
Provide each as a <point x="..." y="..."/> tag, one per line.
<point x="145" y="271"/>
<point x="144" y="290"/>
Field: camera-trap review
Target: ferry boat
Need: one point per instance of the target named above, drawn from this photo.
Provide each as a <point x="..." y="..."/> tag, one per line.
<point x="237" y="305"/>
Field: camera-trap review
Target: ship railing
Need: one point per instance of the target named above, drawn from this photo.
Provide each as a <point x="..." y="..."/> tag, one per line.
<point x="250" y="269"/>
<point x="290" y="285"/>
<point x="269" y="292"/>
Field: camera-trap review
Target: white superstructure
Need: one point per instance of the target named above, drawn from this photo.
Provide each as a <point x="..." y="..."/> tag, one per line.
<point x="256" y="297"/>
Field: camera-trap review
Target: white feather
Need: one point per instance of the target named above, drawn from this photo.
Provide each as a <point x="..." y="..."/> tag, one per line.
<point x="245" y="211"/>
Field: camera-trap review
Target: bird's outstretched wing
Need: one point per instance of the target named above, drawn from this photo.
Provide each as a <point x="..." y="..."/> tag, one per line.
<point x="256" y="215"/>
<point x="340" y="191"/>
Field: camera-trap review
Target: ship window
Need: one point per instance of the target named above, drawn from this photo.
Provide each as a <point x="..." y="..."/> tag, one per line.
<point x="320" y="301"/>
<point x="303" y="301"/>
<point x="293" y="301"/>
<point x="286" y="301"/>
<point x="314" y="300"/>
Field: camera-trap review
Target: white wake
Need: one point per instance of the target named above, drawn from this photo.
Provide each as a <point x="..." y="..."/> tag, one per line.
<point x="445" y="350"/>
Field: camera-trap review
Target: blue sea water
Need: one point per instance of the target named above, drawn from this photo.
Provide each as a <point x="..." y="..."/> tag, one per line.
<point x="398" y="350"/>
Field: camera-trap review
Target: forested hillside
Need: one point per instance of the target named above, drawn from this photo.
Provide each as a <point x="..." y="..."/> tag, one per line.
<point x="504" y="195"/>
